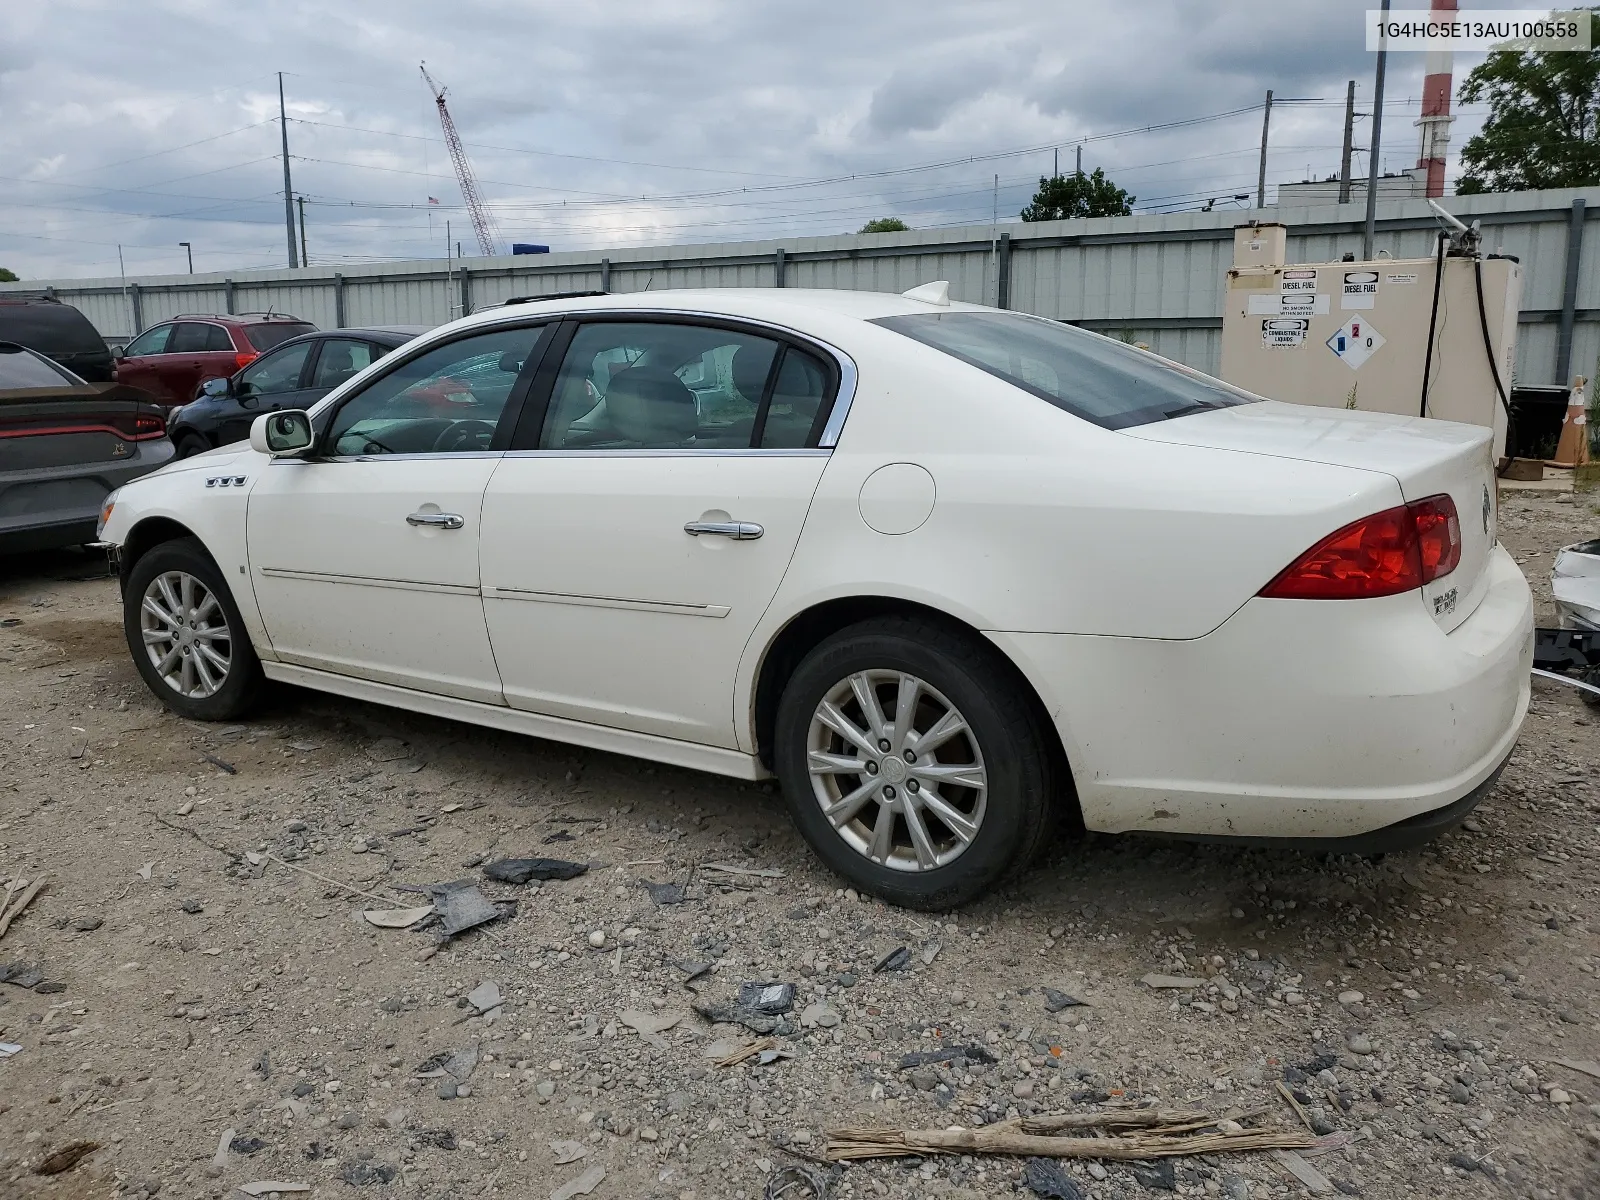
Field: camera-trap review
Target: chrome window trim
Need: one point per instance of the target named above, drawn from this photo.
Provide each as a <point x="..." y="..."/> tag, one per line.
<point x="421" y="454"/>
<point x="677" y="452"/>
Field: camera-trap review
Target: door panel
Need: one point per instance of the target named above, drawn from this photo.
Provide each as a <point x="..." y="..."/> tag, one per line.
<point x="602" y="608"/>
<point x="346" y="584"/>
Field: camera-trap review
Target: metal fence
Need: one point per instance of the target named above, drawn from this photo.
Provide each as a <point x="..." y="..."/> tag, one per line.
<point x="1158" y="279"/>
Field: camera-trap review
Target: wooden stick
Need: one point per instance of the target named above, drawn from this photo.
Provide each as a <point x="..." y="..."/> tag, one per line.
<point x="1299" y="1109"/>
<point x="15" y="911"/>
<point x="747" y="1051"/>
<point x="1127" y="1118"/>
<point x="349" y="887"/>
<point x="845" y="1145"/>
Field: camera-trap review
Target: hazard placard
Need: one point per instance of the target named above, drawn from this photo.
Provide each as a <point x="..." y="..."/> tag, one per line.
<point x="1355" y="341"/>
<point x="1284" y="333"/>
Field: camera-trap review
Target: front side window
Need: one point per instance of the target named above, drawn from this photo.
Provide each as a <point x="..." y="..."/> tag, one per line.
<point x="659" y="385"/>
<point x="276" y="372"/>
<point x="340" y="359"/>
<point x="151" y="341"/>
<point x="446" y="400"/>
<point x="1094" y="377"/>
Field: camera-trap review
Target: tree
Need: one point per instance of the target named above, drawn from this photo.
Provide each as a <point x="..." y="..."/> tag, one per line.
<point x="885" y="225"/>
<point x="1078" y="195"/>
<point x="8" y="276"/>
<point x="1543" y="129"/>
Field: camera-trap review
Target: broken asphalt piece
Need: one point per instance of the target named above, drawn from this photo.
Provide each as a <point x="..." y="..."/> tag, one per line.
<point x="262" y="1186"/>
<point x="462" y="906"/>
<point x="560" y="835"/>
<point x="246" y="1145"/>
<point x="759" y="1007"/>
<point x="665" y="893"/>
<point x="769" y="999"/>
<point x="1181" y="982"/>
<point x="520" y="870"/>
<point x="567" y="1152"/>
<point x="582" y="1185"/>
<point x="60" y="1161"/>
<point x="693" y="970"/>
<point x="1045" y="1177"/>
<point x="22" y="974"/>
<point x="358" y="1172"/>
<point x="1055" y="1001"/>
<point x="650" y="1026"/>
<point x="1159" y="1176"/>
<point x="921" y="1058"/>
<point x="782" y="1182"/>
<point x="896" y="960"/>
<point x="397" y="918"/>
<point x="193" y="907"/>
<point x="440" y="1139"/>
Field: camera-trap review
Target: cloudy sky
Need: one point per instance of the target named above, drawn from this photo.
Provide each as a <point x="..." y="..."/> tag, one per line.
<point x="612" y="123"/>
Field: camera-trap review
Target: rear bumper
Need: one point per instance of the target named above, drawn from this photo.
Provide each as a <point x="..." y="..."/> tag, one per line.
<point x="1300" y="721"/>
<point x="60" y="506"/>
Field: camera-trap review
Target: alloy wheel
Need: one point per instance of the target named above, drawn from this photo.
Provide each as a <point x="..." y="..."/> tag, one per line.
<point x="186" y="634"/>
<point x="897" y="770"/>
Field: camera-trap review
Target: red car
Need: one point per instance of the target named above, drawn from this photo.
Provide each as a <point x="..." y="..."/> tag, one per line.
<point x="171" y="360"/>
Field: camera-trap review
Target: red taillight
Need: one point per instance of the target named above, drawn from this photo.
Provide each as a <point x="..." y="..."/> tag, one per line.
<point x="1397" y="550"/>
<point x="243" y="359"/>
<point x="148" y="425"/>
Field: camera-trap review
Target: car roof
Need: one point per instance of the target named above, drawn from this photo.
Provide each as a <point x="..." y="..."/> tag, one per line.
<point x="236" y="318"/>
<point x="776" y="304"/>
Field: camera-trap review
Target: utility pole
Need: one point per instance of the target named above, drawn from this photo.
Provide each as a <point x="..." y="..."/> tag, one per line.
<point x="305" y="257"/>
<point x="288" y="190"/>
<point x="1261" y="177"/>
<point x="1080" y="161"/>
<point x="1349" y="133"/>
<point x="190" y="250"/>
<point x="994" y="242"/>
<point x="1056" y="173"/>
<point x="1372" y="151"/>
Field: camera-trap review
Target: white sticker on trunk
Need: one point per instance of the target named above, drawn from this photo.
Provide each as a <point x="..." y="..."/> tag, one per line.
<point x="1271" y="304"/>
<point x="1360" y="289"/>
<point x="1355" y="341"/>
<point x="1298" y="281"/>
<point x="1284" y="333"/>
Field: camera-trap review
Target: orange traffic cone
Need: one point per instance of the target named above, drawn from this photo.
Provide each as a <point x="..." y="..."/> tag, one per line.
<point x="1573" y="448"/>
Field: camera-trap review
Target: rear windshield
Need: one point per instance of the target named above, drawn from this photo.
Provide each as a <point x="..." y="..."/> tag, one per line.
<point x="1091" y="376"/>
<point x="49" y="328"/>
<point x="265" y="337"/>
<point x="19" y="369"/>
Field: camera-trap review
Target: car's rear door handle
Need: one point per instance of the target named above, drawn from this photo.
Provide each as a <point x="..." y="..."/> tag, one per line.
<point x="739" y="531"/>
<point x="436" y="520"/>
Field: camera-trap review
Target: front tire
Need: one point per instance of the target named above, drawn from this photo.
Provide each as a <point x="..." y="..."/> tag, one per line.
<point x="190" y="444"/>
<point x="914" y="761"/>
<point x="186" y="636"/>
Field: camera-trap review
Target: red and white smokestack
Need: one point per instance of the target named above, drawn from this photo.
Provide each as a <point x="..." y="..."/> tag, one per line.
<point x="1436" y="118"/>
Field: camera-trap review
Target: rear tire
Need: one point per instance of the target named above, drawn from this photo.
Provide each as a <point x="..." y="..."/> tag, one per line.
<point x="186" y="636"/>
<point x="952" y="792"/>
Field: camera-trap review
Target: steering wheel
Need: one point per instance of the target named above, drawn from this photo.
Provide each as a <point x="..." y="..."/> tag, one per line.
<point x="464" y="435"/>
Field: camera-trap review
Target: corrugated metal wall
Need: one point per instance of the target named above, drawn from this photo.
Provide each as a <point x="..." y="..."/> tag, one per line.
<point x="1156" y="279"/>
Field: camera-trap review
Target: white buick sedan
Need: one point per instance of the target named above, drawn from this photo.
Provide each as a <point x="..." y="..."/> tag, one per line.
<point x="948" y="572"/>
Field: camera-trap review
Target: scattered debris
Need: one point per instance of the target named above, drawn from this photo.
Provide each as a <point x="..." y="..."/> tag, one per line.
<point x="1586" y="1066"/>
<point x="748" y="1050"/>
<point x="1314" y="1180"/>
<point x="1046" y="1177"/>
<point x="485" y="997"/>
<point x="246" y="1145"/>
<point x="666" y="893"/>
<point x="1055" y="1000"/>
<point x="759" y="1007"/>
<point x="7" y="1049"/>
<point x="258" y="859"/>
<point x="759" y="872"/>
<point x="220" y="1159"/>
<point x="921" y="1058"/>
<point x="582" y="1185"/>
<point x="22" y="974"/>
<point x="650" y="1026"/>
<point x="1159" y="1176"/>
<point x="560" y="835"/>
<point x="896" y="960"/>
<point x="439" y="1139"/>
<point x="1181" y="982"/>
<point x="930" y="952"/>
<point x="359" y="1172"/>
<point x="219" y="764"/>
<point x="144" y="871"/>
<point x="10" y="911"/>
<point x="462" y="906"/>
<point x="520" y="870"/>
<point x="782" y="1182"/>
<point x="58" y="1162"/>
<point x="568" y="1152"/>
<point x="397" y="918"/>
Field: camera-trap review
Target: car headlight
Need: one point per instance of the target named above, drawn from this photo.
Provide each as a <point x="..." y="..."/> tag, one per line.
<point x="106" y="506"/>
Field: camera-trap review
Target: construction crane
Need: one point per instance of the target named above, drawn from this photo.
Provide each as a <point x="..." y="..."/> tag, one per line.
<point x="482" y="219"/>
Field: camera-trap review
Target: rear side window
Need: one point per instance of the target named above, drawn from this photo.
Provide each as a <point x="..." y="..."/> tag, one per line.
<point x="1090" y="376"/>
<point x="19" y="369"/>
<point x="190" y="337"/>
<point x="268" y="335"/>
<point x="217" y="339"/>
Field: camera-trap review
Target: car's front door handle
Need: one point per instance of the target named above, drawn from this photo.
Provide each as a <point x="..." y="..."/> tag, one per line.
<point x="436" y="520"/>
<point x="739" y="531"/>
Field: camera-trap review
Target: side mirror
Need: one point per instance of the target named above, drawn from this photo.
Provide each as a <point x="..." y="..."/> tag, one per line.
<point x="119" y="352"/>
<point x="215" y="388"/>
<point x="281" y="434"/>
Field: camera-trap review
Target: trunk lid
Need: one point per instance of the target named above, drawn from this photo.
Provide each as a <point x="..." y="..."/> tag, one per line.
<point x="42" y="428"/>
<point x="1425" y="457"/>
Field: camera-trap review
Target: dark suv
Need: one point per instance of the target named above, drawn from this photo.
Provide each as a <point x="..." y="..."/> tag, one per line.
<point x="59" y="332"/>
<point x="171" y="360"/>
<point x="294" y="375"/>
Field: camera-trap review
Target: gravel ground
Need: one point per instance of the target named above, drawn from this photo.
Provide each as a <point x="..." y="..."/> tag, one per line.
<point x="192" y="977"/>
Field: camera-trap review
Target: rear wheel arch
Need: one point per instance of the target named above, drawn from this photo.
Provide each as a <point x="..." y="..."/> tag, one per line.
<point x="810" y="628"/>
